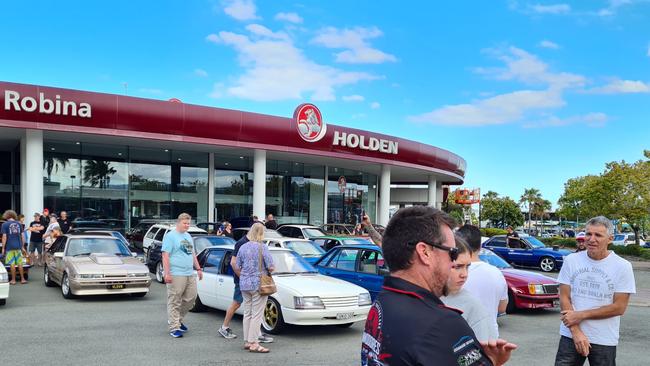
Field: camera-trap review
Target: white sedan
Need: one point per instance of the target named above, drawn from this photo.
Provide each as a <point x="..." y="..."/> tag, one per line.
<point x="304" y="296"/>
<point x="4" y="285"/>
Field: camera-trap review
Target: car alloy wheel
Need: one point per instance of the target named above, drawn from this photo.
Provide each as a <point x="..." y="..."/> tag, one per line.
<point x="65" y="287"/>
<point x="272" y="321"/>
<point x="46" y="277"/>
<point x="160" y="274"/>
<point x="547" y="264"/>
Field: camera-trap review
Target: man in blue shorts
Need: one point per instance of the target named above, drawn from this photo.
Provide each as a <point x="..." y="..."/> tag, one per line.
<point x="13" y="245"/>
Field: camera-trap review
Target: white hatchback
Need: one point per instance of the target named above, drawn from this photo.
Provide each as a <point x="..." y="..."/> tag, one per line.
<point x="304" y="296"/>
<point x="157" y="233"/>
<point x="4" y="285"/>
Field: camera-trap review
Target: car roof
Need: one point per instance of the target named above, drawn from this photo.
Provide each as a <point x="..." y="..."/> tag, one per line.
<point x="286" y="238"/>
<point x="232" y="247"/>
<point x="341" y="237"/>
<point x="90" y="235"/>
<point x="192" y="228"/>
<point x="92" y="232"/>
<point x="358" y="246"/>
<point x="300" y="226"/>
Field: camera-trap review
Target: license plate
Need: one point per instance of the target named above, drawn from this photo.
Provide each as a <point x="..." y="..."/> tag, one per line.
<point x="116" y="287"/>
<point x="556" y="303"/>
<point x="344" y="316"/>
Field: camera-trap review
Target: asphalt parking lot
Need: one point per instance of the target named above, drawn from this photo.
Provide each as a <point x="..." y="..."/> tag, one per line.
<point x="111" y="330"/>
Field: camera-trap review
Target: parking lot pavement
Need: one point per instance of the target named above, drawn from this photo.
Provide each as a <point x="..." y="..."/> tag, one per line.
<point x="111" y="330"/>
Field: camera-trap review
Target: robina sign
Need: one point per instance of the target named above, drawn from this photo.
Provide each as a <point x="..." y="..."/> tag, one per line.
<point x="312" y="128"/>
<point x="45" y="105"/>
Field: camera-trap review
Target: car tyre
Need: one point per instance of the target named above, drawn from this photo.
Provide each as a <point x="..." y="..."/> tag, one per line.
<point x="547" y="264"/>
<point x="272" y="320"/>
<point x="65" y="287"/>
<point x="160" y="274"/>
<point x="512" y="307"/>
<point x="198" y="306"/>
<point x="46" y="278"/>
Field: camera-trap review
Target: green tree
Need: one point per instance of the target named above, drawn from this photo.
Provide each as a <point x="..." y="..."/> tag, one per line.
<point x="528" y="199"/>
<point x="98" y="173"/>
<point x="52" y="163"/>
<point x="501" y="211"/>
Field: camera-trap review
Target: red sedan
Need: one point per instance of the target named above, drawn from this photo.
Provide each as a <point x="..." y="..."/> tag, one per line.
<point x="526" y="290"/>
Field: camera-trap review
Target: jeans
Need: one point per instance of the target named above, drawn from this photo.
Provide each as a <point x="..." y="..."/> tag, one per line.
<point x="598" y="355"/>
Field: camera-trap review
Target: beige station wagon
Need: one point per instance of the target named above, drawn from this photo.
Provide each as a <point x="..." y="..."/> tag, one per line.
<point x="94" y="264"/>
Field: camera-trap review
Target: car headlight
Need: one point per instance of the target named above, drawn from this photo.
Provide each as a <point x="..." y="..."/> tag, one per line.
<point x="4" y="277"/>
<point x="90" y="275"/>
<point x="138" y="274"/>
<point x="308" y="302"/>
<point x="364" y="299"/>
<point x="534" y="289"/>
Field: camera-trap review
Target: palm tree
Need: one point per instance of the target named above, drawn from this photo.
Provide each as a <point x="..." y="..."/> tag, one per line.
<point x="540" y="208"/>
<point x="52" y="163"/>
<point x="529" y="198"/>
<point x="98" y="172"/>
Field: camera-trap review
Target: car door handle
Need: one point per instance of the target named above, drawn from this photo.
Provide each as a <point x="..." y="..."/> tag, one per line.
<point x="221" y="280"/>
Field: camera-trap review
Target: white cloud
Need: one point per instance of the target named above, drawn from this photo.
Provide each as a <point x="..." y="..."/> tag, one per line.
<point x="289" y="17"/>
<point x="275" y="69"/>
<point x="548" y="44"/>
<point x="354" y="41"/>
<point x="212" y="38"/>
<point x="375" y="105"/>
<point x="200" y="73"/>
<point x="515" y="106"/>
<point x="353" y="98"/>
<point x="150" y="91"/>
<point x="595" y="119"/>
<point x="241" y="9"/>
<point x="551" y="9"/>
<point x="618" y="86"/>
<point x="612" y="7"/>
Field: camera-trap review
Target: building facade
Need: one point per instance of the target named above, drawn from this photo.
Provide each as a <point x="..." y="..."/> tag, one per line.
<point x="124" y="159"/>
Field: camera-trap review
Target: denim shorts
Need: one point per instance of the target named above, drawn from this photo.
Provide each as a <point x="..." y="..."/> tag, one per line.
<point x="236" y="296"/>
<point x="35" y="245"/>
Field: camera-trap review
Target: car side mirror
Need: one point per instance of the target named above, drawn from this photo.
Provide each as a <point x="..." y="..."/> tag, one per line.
<point x="58" y="255"/>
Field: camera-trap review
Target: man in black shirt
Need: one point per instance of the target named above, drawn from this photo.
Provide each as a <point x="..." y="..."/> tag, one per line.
<point x="511" y="234"/>
<point x="270" y="222"/>
<point x="35" y="249"/>
<point x="408" y="324"/>
<point x="64" y="222"/>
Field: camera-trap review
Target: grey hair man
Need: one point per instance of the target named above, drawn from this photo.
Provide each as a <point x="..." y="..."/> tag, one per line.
<point x="595" y="287"/>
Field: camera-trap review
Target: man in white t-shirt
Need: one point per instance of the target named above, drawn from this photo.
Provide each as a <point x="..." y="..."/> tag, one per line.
<point x="484" y="281"/>
<point x="595" y="287"/>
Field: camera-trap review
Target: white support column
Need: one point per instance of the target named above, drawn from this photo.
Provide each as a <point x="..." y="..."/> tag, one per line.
<point x="325" y="181"/>
<point x="31" y="172"/>
<point x="384" y="195"/>
<point x="259" y="183"/>
<point x="433" y="191"/>
<point x="211" y="205"/>
<point x="439" y="195"/>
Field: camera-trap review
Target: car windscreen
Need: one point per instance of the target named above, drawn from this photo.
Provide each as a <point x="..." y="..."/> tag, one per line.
<point x="119" y="235"/>
<point x="305" y="248"/>
<point x="535" y="242"/>
<point x="619" y="237"/>
<point x="220" y="240"/>
<point x="87" y="246"/>
<point x="290" y="262"/>
<point x="313" y="232"/>
<point x="489" y="257"/>
<point x="268" y="233"/>
<point x="357" y="242"/>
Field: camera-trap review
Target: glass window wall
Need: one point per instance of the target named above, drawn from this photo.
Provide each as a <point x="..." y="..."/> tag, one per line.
<point x="295" y="192"/>
<point x="233" y="186"/>
<point x="350" y="193"/>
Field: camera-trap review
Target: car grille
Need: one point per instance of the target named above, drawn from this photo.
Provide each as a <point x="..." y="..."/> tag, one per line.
<point x="551" y="289"/>
<point x="340" y="302"/>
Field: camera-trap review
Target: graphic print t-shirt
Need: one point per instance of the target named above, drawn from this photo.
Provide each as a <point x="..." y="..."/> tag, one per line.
<point x="37" y="236"/>
<point x="13" y="230"/>
<point x="180" y="247"/>
<point x="593" y="285"/>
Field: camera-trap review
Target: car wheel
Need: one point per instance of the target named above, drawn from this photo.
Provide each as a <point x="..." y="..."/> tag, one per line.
<point x="547" y="264"/>
<point x="3" y="301"/>
<point x="198" y="306"/>
<point x="46" y="278"/>
<point x="160" y="274"/>
<point x="512" y="307"/>
<point x="272" y="321"/>
<point x="346" y="325"/>
<point x="139" y="294"/>
<point x="65" y="287"/>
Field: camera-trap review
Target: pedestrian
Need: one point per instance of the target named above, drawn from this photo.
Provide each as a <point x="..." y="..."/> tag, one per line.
<point x="484" y="281"/>
<point x="179" y="262"/>
<point x="25" y="233"/>
<point x="374" y="234"/>
<point x="270" y="222"/>
<point x="35" y="248"/>
<point x="253" y="260"/>
<point x="237" y="297"/>
<point x="13" y="245"/>
<point x="48" y="237"/>
<point x="228" y="230"/>
<point x="595" y="287"/>
<point x="511" y="234"/>
<point x="408" y="324"/>
<point x="473" y="311"/>
<point x="64" y="222"/>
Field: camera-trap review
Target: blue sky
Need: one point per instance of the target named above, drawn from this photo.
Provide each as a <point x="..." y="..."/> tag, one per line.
<point x="530" y="93"/>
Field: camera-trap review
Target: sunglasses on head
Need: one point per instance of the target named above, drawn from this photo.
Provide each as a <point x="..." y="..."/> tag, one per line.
<point x="453" y="252"/>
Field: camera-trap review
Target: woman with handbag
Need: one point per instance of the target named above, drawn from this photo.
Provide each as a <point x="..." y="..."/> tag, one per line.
<point x="255" y="264"/>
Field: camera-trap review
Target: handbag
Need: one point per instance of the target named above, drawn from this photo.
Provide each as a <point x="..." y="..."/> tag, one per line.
<point x="267" y="285"/>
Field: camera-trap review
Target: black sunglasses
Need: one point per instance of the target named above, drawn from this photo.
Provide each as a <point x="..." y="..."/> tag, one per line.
<point x="453" y="252"/>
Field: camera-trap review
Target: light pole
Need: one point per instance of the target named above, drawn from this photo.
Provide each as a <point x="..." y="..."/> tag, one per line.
<point x="72" y="177"/>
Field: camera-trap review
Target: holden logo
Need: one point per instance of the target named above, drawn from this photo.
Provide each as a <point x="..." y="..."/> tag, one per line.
<point x="309" y="122"/>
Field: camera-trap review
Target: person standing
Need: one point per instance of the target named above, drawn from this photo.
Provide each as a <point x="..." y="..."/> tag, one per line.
<point x="511" y="234"/>
<point x="13" y="245"/>
<point x="64" y="222"/>
<point x="48" y="237"/>
<point x="270" y="222"/>
<point x="595" y="287"/>
<point x="227" y="231"/>
<point x="179" y="262"/>
<point x="408" y="324"/>
<point x="484" y="281"/>
<point x="35" y="248"/>
<point x="473" y="311"/>
<point x="253" y="260"/>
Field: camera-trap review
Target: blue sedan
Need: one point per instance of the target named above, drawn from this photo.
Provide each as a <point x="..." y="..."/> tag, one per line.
<point x="362" y="265"/>
<point x="527" y="252"/>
